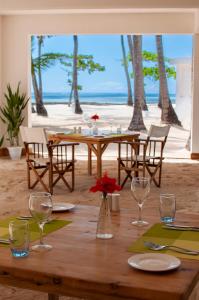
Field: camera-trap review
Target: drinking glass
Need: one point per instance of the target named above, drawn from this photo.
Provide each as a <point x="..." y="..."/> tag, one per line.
<point x="167" y="208"/>
<point x="40" y="205"/>
<point x="111" y="121"/>
<point x="88" y="122"/>
<point x="19" y="238"/>
<point x="140" y="188"/>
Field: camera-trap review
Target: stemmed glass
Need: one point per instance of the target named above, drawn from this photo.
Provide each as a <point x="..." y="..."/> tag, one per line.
<point x="140" y="188"/>
<point x="40" y="205"/>
<point x="111" y="124"/>
<point x="88" y="122"/>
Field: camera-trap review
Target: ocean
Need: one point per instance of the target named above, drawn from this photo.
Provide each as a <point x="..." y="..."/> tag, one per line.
<point x="96" y="98"/>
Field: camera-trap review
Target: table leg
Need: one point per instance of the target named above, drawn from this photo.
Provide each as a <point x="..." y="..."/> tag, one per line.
<point x="99" y="160"/>
<point x="89" y="160"/>
<point x="53" y="297"/>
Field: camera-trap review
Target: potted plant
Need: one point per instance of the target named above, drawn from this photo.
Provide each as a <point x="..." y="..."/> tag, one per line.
<point x="11" y="115"/>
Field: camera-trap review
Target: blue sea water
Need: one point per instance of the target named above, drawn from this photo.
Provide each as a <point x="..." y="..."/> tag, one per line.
<point x="97" y="98"/>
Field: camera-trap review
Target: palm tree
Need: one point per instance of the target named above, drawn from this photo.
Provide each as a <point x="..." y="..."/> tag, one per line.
<point x="125" y="64"/>
<point x="81" y="62"/>
<point x="74" y="88"/>
<point x="130" y="43"/>
<point x="38" y="64"/>
<point x="137" y="122"/>
<point x="168" y="113"/>
<point x="37" y="86"/>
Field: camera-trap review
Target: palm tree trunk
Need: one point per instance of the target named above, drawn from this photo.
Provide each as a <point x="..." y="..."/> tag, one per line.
<point x="41" y="110"/>
<point x="168" y="115"/>
<point x="160" y="98"/>
<point x="78" y="109"/>
<point x="131" y="49"/>
<point x="125" y="63"/>
<point x="137" y="122"/>
<point x="39" y="104"/>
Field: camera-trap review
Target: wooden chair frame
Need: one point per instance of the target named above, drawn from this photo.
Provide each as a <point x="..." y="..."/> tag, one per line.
<point x="156" y="140"/>
<point x="60" y="164"/>
<point x="154" y="162"/>
<point x="130" y="161"/>
<point x="35" y="151"/>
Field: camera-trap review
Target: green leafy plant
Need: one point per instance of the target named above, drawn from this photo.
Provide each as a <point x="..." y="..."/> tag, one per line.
<point x="11" y="113"/>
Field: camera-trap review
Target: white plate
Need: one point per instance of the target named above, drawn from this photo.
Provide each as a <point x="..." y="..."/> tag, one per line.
<point x="62" y="207"/>
<point x="154" y="262"/>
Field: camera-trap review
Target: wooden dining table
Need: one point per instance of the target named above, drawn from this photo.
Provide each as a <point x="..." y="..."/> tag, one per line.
<point x="79" y="265"/>
<point x="95" y="144"/>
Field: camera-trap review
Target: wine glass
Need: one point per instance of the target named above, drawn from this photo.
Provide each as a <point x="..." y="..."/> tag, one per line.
<point x="111" y="121"/>
<point x="88" y="122"/>
<point x="40" y="205"/>
<point x="140" y="188"/>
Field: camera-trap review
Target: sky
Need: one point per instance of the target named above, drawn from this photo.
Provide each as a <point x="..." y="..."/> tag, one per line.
<point x="106" y="50"/>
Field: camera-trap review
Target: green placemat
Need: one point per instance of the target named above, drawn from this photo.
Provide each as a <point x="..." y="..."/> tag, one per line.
<point x="34" y="229"/>
<point x="158" y="234"/>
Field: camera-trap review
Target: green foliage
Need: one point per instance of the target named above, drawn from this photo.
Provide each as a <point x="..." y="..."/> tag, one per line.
<point x="47" y="60"/>
<point x="84" y="63"/>
<point x="151" y="70"/>
<point x="11" y="113"/>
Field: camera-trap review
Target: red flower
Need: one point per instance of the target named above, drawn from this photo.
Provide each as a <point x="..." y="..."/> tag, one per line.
<point x="95" y="117"/>
<point x="105" y="185"/>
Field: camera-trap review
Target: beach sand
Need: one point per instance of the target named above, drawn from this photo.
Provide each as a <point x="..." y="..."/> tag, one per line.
<point x="61" y="117"/>
<point x="180" y="176"/>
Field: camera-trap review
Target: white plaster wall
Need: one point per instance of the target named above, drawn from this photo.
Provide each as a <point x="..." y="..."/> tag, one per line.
<point x="184" y="91"/>
<point x="11" y="5"/>
<point x="195" y="99"/>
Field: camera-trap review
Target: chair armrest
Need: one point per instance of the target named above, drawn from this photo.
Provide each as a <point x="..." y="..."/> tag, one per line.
<point x="32" y="143"/>
<point x="62" y="144"/>
<point x="157" y="140"/>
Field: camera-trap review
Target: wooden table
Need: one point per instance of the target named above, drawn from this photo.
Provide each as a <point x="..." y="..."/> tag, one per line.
<point x="80" y="265"/>
<point x="96" y="145"/>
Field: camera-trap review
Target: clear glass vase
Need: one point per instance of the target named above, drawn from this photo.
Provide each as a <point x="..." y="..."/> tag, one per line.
<point x="104" y="227"/>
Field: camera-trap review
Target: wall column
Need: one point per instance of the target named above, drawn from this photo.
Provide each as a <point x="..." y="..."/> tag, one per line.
<point x="195" y="100"/>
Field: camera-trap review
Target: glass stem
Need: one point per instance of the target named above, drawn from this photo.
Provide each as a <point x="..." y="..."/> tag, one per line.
<point x="140" y="213"/>
<point x="41" y="229"/>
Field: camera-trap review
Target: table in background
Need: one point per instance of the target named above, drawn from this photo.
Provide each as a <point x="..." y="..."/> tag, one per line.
<point x="79" y="265"/>
<point x="96" y="144"/>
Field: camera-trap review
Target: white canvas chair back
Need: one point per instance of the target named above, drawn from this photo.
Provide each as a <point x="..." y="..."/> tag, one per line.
<point x="158" y="131"/>
<point x="33" y="135"/>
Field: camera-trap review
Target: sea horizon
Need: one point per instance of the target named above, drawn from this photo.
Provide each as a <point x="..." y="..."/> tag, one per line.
<point x="96" y="98"/>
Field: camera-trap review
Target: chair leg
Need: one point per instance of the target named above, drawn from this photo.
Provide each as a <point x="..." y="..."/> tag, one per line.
<point x="160" y="175"/>
<point x="51" y="179"/>
<point x="119" y="172"/>
<point x="73" y="177"/>
<point x="28" y="176"/>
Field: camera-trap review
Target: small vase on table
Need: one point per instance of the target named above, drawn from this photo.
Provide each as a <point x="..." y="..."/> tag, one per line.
<point x="104" y="226"/>
<point x="105" y="185"/>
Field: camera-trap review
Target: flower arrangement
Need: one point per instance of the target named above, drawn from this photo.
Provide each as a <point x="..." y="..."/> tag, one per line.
<point x="95" y="117"/>
<point x="105" y="185"/>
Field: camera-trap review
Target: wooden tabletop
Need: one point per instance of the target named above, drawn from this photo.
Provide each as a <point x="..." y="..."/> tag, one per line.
<point x="93" y="138"/>
<point x="81" y="265"/>
<point x="96" y="144"/>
